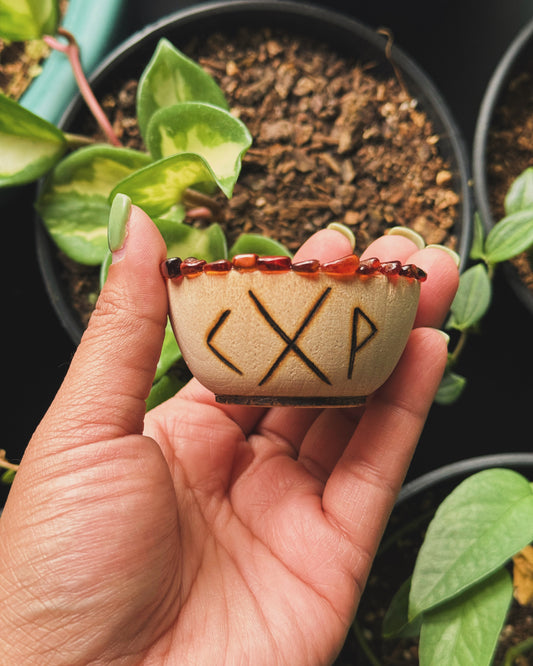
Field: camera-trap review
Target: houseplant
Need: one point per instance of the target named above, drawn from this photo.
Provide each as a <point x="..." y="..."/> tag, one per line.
<point x="477" y="497"/>
<point x="501" y="149"/>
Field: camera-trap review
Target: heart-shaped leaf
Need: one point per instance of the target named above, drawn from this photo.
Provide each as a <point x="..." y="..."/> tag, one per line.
<point x="170" y="78"/>
<point x="31" y="146"/>
<point x="159" y="187"/>
<point x="466" y="630"/>
<point x="74" y="202"/>
<point x="183" y="241"/>
<point x="21" y="20"/>
<point x="510" y="236"/>
<point x="486" y="520"/>
<point x="204" y="129"/>
<point x="520" y="194"/>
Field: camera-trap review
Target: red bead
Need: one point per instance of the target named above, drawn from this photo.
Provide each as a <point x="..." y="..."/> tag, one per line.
<point x="191" y="267"/>
<point x="390" y="268"/>
<point x="368" y="266"/>
<point x="274" y="264"/>
<point x="308" y="266"/>
<point x="217" y="267"/>
<point x="344" y="266"/>
<point x="245" y="262"/>
<point x="170" y="268"/>
<point x="412" y="271"/>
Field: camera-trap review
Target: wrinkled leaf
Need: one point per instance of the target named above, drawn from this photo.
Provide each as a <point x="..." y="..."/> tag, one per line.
<point x="257" y="244"/>
<point x="160" y="186"/>
<point x="206" y="130"/>
<point x="451" y="387"/>
<point x="74" y="202"/>
<point x="486" y="520"/>
<point x="472" y="298"/>
<point x="21" y="20"/>
<point x="396" y="621"/>
<point x="170" y="78"/>
<point x="466" y="630"/>
<point x="520" y="194"/>
<point x="30" y="146"/>
<point x="184" y="241"/>
<point x="510" y="236"/>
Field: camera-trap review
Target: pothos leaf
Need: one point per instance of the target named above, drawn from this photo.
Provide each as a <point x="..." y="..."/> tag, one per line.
<point x="257" y="244"/>
<point x="170" y="78"/>
<point x="520" y="194"/>
<point x="182" y="240"/>
<point x="21" y="20"/>
<point x="31" y="146"/>
<point x="74" y="201"/>
<point x="510" y="236"/>
<point x="472" y="298"/>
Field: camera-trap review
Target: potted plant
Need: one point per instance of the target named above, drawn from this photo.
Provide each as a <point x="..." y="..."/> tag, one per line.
<point x="440" y="589"/>
<point x="502" y="153"/>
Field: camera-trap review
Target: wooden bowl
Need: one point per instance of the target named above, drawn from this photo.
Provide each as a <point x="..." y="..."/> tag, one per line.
<point x="265" y="331"/>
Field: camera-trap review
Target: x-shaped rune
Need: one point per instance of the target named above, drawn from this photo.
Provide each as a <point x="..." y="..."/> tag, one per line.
<point x="291" y="342"/>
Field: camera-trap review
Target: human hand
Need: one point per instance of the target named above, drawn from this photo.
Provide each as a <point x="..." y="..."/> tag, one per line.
<point x="203" y="533"/>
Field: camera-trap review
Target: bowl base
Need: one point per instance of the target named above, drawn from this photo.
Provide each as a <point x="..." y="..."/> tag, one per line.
<point x="292" y="401"/>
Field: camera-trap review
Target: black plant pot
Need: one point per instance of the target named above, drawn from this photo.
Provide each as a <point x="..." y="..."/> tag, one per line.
<point x="340" y="32"/>
<point x="519" y="52"/>
<point x="395" y="560"/>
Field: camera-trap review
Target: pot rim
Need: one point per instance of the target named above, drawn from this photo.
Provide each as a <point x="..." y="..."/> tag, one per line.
<point x="321" y="18"/>
<point x="463" y="468"/>
<point x="495" y="88"/>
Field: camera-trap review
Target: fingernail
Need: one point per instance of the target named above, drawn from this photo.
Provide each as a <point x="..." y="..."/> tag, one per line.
<point x="443" y="334"/>
<point x="406" y="232"/>
<point x="453" y="254"/>
<point x="344" y="230"/>
<point x="118" y="218"/>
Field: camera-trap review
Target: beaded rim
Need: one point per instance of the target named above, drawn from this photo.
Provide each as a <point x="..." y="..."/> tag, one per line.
<point x="348" y="266"/>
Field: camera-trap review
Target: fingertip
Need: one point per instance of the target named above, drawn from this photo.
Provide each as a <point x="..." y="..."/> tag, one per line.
<point x="325" y="245"/>
<point x="391" y="248"/>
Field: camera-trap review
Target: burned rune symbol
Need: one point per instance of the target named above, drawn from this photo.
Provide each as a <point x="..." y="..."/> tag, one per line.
<point x="356" y="344"/>
<point x="291" y="342"/>
<point x="215" y="351"/>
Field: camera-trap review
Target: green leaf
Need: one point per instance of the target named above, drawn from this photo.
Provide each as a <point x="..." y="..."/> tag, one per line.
<point x="74" y="201"/>
<point x="520" y="194"/>
<point x="472" y="298"/>
<point x="170" y="354"/>
<point x="510" y="236"/>
<point x="396" y="621"/>
<point x="477" y="251"/>
<point x="170" y="78"/>
<point x="159" y="187"/>
<point x="8" y="476"/>
<point x="21" y="20"/>
<point x="466" y="630"/>
<point x="31" y="146"/>
<point x="206" y="130"/>
<point x="183" y="241"/>
<point x="486" y="520"/>
<point x="162" y="390"/>
<point x="257" y="244"/>
<point x="451" y="387"/>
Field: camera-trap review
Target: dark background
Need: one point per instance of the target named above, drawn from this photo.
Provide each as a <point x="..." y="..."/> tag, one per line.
<point x="458" y="44"/>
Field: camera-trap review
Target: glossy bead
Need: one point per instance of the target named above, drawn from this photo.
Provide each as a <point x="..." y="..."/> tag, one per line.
<point x="307" y="267"/>
<point x="191" y="267"/>
<point x="244" y="262"/>
<point x="274" y="264"/>
<point x="171" y="268"/>
<point x="217" y="267"/>
<point x="368" y="266"/>
<point x="344" y="266"/>
<point x="390" y="268"/>
<point x="412" y="271"/>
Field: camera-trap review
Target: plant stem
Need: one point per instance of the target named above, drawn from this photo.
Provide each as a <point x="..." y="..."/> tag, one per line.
<point x="4" y="464"/>
<point x="358" y="632"/>
<point x="72" y="51"/>
<point x="514" y="652"/>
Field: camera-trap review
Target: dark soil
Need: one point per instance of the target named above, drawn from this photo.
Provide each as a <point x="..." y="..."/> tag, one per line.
<point x="510" y="152"/>
<point x="333" y="140"/>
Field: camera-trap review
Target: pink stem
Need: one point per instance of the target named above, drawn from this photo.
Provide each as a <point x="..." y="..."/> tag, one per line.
<point x="72" y="51"/>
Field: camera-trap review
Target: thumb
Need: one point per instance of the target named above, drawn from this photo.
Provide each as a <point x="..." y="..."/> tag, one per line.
<point x="103" y="394"/>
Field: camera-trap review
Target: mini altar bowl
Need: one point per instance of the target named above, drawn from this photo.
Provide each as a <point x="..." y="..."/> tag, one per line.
<point x="264" y="331"/>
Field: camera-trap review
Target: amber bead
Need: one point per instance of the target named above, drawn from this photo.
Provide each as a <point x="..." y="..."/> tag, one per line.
<point x="412" y="271"/>
<point x="390" y="268"/>
<point x="274" y="264"/>
<point x="307" y="267"/>
<point x="217" y="267"/>
<point x="368" y="266"/>
<point x="171" y="268"/>
<point x="340" y="267"/>
<point x="245" y="262"/>
<point x="192" y="267"/>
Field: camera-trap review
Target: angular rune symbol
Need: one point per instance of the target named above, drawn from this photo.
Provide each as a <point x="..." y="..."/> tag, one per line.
<point x="215" y="351"/>
<point x="291" y="342"/>
<point x="355" y="344"/>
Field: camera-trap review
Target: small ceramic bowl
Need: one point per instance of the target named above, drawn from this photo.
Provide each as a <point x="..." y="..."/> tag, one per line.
<point x="266" y="331"/>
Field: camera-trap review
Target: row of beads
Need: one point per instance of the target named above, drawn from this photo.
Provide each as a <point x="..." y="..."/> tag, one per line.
<point x="344" y="267"/>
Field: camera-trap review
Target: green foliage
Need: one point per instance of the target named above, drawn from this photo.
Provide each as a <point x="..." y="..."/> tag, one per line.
<point x="460" y="591"/>
<point x="21" y="20"/>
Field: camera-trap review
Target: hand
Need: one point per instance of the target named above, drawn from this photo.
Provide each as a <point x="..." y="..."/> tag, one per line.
<point x="202" y="533"/>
